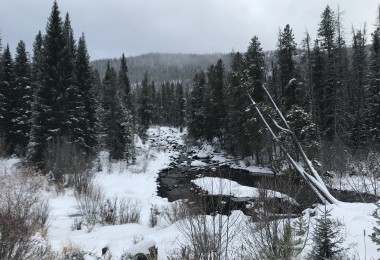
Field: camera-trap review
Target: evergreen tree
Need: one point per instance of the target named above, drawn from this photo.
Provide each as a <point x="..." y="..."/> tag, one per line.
<point x="217" y="103"/>
<point x="112" y="116"/>
<point x="145" y="106"/>
<point x="84" y="132"/>
<point x="253" y="79"/>
<point x="342" y="113"/>
<point x="197" y="114"/>
<point x="128" y="124"/>
<point x="358" y="80"/>
<point x="318" y="85"/>
<point x="327" y="239"/>
<point x="181" y="107"/>
<point x="23" y="99"/>
<point x="375" y="236"/>
<point x="124" y="82"/>
<point x="326" y="34"/>
<point x="6" y="99"/>
<point x="374" y="86"/>
<point x="70" y="93"/>
<point x="37" y="63"/>
<point x="285" y="53"/>
<point x="236" y="141"/>
<point x="49" y="118"/>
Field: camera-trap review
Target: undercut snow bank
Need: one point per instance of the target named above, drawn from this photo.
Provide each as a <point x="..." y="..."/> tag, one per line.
<point x="219" y="186"/>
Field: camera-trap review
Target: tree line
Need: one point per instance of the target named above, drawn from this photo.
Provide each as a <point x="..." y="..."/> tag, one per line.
<point x="57" y="97"/>
<point x="328" y="91"/>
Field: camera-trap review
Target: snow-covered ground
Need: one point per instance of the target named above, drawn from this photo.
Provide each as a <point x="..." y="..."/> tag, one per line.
<point x="138" y="183"/>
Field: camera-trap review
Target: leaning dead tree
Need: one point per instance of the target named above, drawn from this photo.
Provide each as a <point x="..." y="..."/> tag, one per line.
<point x="311" y="176"/>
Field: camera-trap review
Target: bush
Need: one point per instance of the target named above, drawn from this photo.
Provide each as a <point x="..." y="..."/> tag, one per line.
<point x="71" y="251"/>
<point x="24" y="214"/>
<point x="108" y="211"/>
<point x="129" y="212"/>
<point x="90" y="205"/>
<point x="176" y="211"/>
<point x="67" y="164"/>
<point x="95" y="208"/>
<point x="153" y="216"/>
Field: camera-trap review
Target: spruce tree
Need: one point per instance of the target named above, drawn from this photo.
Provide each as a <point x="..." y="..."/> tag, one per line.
<point x="327" y="34"/>
<point x="128" y="123"/>
<point x="327" y="239"/>
<point x="71" y="96"/>
<point x="197" y="114"/>
<point x="217" y="103"/>
<point x="358" y="100"/>
<point x="285" y="53"/>
<point x="112" y="118"/>
<point x="23" y="99"/>
<point x="145" y="106"/>
<point x="236" y="140"/>
<point x="342" y="113"/>
<point x="86" y="119"/>
<point x="374" y="86"/>
<point x="37" y="62"/>
<point x="49" y="115"/>
<point x="6" y="99"/>
<point x="181" y="107"/>
<point x="375" y="236"/>
<point x="253" y="80"/>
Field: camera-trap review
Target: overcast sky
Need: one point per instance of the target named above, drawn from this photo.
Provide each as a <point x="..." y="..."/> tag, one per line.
<point x="187" y="26"/>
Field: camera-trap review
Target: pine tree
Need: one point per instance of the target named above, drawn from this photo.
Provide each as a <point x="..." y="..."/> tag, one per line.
<point x="37" y="62"/>
<point x="145" y="106"/>
<point x="128" y="123"/>
<point x="217" y="103"/>
<point x="71" y="96"/>
<point x="326" y="34"/>
<point x="6" y="99"/>
<point x="125" y="84"/>
<point x="327" y="239"/>
<point x="23" y="95"/>
<point x="197" y="114"/>
<point x="358" y="97"/>
<point x="112" y="116"/>
<point x="374" y="86"/>
<point x="253" y="79"/>
<point x="49" y="118"/>
<point x="375" y="236"/>
<point x="342" y="113"/>
<point x="236" y="140"/>
<point x="181" y="107"/>
<point x="87" y="102"/>
<point x="285" y="53"/>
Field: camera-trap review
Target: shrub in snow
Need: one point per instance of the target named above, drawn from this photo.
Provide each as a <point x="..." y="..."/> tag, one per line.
<point x="177" y="210"/>
<point x="129" y="212"/>
<point x="153" y="216"/>
<point x="23" y="217"/>
<point x="89" y="205"/>
<point x="67" y="164"/>
<point x="108" y="210"/>
<point x="71" y="251"/>
<point x="96" y="209"/>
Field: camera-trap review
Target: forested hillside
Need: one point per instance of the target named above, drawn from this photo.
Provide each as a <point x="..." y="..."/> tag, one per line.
<point x="161" y="67"/>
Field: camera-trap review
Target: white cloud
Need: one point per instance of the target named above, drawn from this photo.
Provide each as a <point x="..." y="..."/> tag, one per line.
<point x="187" y="26"/>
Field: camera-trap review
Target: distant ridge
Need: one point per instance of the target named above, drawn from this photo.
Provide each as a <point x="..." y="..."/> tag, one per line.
<point x="161" y="67"/>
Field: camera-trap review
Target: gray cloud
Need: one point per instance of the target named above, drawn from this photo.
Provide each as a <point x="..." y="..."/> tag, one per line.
<point x="188" y="26"/>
